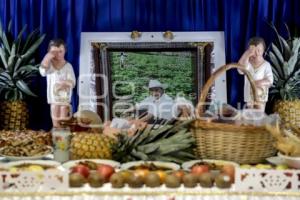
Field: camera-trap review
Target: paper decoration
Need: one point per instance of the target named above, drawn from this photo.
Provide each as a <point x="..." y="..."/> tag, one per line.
<point x="267" y="180"/>
<point x="49" y="180"/>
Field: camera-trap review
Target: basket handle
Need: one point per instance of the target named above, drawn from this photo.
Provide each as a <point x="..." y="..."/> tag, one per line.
<point x="216" y="74"/>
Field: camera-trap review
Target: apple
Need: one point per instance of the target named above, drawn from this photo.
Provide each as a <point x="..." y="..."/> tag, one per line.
<point x="105" y="171"/>
<point x="229" y="170"/>
<point x="199" y="169"/>
<point x="81" y="169"/>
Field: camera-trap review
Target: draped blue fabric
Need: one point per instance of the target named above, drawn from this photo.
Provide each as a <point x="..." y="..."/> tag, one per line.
<point x="66" y="19"/>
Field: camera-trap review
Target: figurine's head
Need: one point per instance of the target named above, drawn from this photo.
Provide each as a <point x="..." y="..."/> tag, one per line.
<point x="58" y="48"/>
<point x="260" y="46"/>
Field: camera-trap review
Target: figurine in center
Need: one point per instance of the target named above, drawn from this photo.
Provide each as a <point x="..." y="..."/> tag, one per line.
<point x="60" y="81"/>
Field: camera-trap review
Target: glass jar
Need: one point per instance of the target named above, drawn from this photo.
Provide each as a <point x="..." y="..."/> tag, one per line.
<point x="61" y="138"/>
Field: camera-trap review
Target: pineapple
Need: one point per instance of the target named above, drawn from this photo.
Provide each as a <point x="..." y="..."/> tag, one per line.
<point x="91" y="145"/>
<point x="165" y="143"/>
<point x="289" y="112"/>
<point x="16" y="70"/>
<point x="285" y="92"/>
<point x="13" y="115"/>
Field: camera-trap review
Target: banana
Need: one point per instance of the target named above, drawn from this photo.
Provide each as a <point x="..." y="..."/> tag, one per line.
<point x="286" y="141"/>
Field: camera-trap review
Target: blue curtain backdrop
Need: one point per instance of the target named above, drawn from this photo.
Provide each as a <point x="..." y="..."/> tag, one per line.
<point x="66" y="19"/>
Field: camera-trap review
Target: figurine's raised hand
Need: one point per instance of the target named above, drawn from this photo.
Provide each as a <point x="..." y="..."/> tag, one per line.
<point x="47" y="60"/>
<point x="251" y="50"/>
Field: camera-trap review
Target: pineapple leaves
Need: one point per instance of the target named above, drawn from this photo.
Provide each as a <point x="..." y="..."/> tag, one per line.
<point x="277" y="53"/>
<point x="277" y="36"/>
<point x="149" y="148"/>
<point x="29" y="40"/>
<point x="286" y="48"/>
<point x="24" y="88"/>
<point x="165" y="143"/>
<point x="288" y="31"/>
<point x="294" y="58"/>
<point x="5" y="78"/>
<point x="17" y="66"/>
<point x="9" y="26"/>
<point x="3" y="39"/>
<point x="139" y="155"/>
<point x="3" y="58"/>
<point x="275" y="74"/>
<point x="285" y="60"/>
<point x="19" y="37"/>
<point x="25" y="69"/>
<point x="34" y="47"/>
<point x="12" y="57"/>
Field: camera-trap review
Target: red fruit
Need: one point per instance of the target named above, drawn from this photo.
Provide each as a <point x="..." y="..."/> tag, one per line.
<point x="199" y="169"/>
<point x="229" y="170"/>
<point x="105" y="171"/>
<point x="81" y="169"/>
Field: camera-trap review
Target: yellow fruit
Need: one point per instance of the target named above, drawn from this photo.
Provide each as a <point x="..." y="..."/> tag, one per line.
<point x="281" y="167"/>
<point x="13" y="169"/>
<point x="245" y="166"/>
<point x="263" y="166"/>
<point x="35" y="168"/>
<point x="91" y="145"/>
<point x="162" y="175"/>
<point x="289" y="112"/>
<point x="14" y="115"/>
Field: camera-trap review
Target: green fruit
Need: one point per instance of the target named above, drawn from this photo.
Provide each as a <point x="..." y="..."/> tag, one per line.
<point x="206" y="180"/>
<point x="172" y="181"/>
<point x="135" y="181"/>
<point x="95" y="179"/>
<point x="76" y="180"/>
<point x="126" y="174"/>
<point x="117" y="180"/>
<point x="190" y="180"/>
<point x="223" y="181"/>
<point x="152" y="180"/>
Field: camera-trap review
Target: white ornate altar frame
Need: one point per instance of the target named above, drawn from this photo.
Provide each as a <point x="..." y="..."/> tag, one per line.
<point x="86" y="80"/>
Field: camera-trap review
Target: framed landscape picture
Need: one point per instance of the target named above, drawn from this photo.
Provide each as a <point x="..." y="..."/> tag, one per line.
<point x="182" y="67"/>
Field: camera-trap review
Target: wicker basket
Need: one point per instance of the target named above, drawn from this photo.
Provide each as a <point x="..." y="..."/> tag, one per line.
<point x="244" y="144"/>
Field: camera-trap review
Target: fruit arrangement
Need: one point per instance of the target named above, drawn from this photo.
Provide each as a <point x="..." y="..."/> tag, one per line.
<point x="152" y="179"/>
<point x="150" y="166"/>
<point x="30" y="167"/>
<point x="90" y="172"/>
<point x="150" y="175"/>
<point x="265" y="166"/>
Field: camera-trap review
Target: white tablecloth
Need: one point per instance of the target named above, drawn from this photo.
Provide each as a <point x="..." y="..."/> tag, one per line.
<point x="149" y="194"/>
